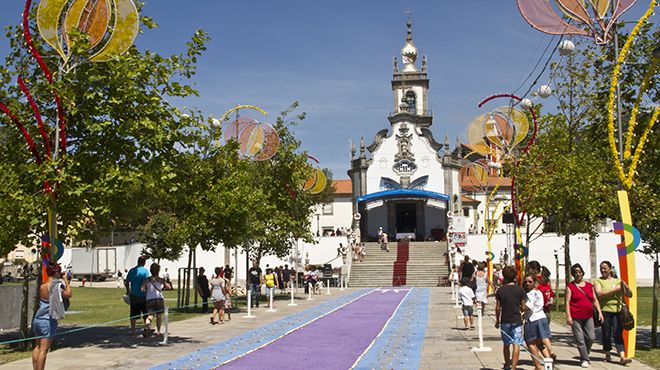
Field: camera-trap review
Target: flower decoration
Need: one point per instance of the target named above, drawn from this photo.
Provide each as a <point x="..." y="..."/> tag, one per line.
<point x="111" y="26"/>
<point x="587" y="17"/>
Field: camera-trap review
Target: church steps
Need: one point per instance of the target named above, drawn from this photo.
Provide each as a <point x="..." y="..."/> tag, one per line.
<point x="426" y="262"/>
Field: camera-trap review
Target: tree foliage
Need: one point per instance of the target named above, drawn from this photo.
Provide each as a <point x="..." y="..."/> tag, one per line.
<point x="121" y="129"/>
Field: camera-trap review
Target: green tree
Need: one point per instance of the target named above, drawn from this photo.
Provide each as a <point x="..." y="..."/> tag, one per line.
<point x="121" y="133"/>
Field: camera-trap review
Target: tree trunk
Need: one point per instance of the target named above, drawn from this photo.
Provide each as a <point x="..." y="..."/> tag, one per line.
<point x="567" y="263"/>
<point x="654" y="308"/>
<point x="186" y="283"/>
<point x="593" y="265"/>
<point x="25" y="305"/>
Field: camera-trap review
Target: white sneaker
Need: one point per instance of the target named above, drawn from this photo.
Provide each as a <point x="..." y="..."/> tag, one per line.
<point x="585" y="364"/>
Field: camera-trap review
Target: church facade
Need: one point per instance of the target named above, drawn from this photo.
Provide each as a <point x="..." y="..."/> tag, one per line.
<point x="405" y="181"/>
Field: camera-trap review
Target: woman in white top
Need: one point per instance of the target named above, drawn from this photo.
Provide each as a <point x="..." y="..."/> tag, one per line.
<point x="482" y="286"/>
<point x="218" y="290"/>
<point x="537" y="328"/>
<point x="154" y="286"/>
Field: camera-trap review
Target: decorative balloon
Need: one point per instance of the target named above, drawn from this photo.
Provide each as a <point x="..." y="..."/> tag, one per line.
<point x="317" y="179"/>
<point x="588" y="18"/>
<point x="258" y="141"/>
<point x="110" y="25"/>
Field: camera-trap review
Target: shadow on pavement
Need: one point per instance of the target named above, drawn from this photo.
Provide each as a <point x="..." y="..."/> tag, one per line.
<point x="107" y="337"/>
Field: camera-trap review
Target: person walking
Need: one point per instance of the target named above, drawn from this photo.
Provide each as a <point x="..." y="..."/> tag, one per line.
<point x="52" y="293"/>
<point x="153" y="287"/>
<point x="482" y="286"/>
<point x="543" y="285"/>
<point x="580" y="312"/>
<point x="255" y="283"/>
<point x="383" y="242"/>
<point x="218" y="290"/>
<point x="270" y="280"/>
<point x="610" y="291"/>
<point x="509" y="303"/>
<point x="466" y="296"/>
<point x="286" y="278"/>
<point x="137" y="298"/>
<point x="203" y="289"/>
<point x="537" y="329"/>
<point x="228" y="292"/>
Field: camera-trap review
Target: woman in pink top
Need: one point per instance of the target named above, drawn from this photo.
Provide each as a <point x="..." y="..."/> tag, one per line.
<point x="579" y="312"/>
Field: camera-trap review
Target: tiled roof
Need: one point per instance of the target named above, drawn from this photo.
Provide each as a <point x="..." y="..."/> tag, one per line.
<point x="472" y="184"/>
<point x="342" y="187"/>
<point x="468" y="200"/>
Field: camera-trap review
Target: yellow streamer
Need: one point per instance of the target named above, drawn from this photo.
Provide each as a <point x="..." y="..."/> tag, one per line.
<point x="627" y="179"/>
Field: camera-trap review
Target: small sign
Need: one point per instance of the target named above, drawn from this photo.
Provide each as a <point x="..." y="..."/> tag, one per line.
<point x="357" y="216"/>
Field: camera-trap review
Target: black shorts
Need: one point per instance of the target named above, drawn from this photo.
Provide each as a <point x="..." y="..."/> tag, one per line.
<point x="155" y="306"/>
<point x="138" y="307"/>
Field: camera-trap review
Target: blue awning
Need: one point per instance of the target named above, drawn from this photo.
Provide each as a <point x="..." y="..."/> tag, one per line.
<point x="403" y="193"/>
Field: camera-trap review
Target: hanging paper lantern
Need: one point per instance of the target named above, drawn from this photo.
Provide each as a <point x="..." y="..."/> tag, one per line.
<point x="545" y="91"/>
<point x="566" y="47"/>
<point x="526" y="104"/>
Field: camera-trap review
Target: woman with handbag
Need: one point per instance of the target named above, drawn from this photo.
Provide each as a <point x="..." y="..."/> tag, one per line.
<point x="581" y="311"/>
<point x="610" y="290"/>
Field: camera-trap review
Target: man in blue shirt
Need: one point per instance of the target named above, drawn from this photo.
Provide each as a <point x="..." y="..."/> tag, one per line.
<point x="134" y="279"/>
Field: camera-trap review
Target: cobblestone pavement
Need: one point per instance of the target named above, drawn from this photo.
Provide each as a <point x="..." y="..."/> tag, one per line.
<point x="447" y="346"/>
<point x="424" y="333"/>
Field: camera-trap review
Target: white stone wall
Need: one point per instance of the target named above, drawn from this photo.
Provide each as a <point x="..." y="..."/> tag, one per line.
<point x="342" y="215"/>
<point x="544" y="248"/>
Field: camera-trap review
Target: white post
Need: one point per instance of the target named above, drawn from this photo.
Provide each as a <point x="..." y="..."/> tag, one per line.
<point x="292" y="302"/>
<point x="309" y="290"/>
<point x="481" y="347"/>
<point x="167" y="316"/>
<point x="547" y="364"/>
<point x="249" y="304"/>
<point x="327" y="282"/>
<point x="270" y="300"/>
<point x="341" y="282"/>
<point x="453" y="290"/>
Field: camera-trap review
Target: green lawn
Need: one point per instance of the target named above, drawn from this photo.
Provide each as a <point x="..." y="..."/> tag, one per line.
<point x="644" y="305"/>
<point x="104" y="306"/>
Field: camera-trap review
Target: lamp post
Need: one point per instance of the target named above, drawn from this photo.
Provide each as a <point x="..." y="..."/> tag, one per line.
<point x="318" y="224"/>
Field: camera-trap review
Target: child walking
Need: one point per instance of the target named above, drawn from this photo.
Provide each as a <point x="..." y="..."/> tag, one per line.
<point x="466" y="295"/>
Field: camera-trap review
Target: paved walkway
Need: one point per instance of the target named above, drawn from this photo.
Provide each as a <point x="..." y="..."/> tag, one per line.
<point x="447" y="346"/>
<point x="424" y="332"/>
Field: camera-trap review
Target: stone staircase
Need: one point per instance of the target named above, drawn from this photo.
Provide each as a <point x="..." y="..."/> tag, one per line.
<point x="376" y="270"/>
<point x="426" y="262"/>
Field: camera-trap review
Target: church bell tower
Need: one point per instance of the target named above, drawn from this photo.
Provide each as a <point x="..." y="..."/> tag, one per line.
<point x="410" y="86"/>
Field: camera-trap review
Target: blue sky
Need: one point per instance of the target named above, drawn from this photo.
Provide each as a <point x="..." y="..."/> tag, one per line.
<point x="335" y="58"/>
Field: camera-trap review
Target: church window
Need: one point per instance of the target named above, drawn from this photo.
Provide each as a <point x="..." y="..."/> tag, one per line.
<point x="328" y="209"/>
<point x="411" y="100"/>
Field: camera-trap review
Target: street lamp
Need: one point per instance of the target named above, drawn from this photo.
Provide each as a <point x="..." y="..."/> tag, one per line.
<point x="318" y="224"/>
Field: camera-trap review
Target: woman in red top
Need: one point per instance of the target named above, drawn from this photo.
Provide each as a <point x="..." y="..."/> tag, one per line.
<point x="543" y="284"/>
<point x="579" y="312"/>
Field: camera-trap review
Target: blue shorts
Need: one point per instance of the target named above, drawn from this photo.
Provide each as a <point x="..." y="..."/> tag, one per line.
<point x="467" y="311"/>
<point x="537" y="330"/>
<point x="44" y="327"/>
<point x="512" y="333"/>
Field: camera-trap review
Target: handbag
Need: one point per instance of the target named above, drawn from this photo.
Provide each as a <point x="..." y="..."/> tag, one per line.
<point x="595" y="314"/>
<point x="625" y="316"/>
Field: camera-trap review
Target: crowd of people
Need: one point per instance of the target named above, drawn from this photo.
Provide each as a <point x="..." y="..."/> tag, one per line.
<point x="522" y="311"/>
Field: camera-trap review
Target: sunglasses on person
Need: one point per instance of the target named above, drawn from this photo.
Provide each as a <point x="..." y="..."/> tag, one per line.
<point x="528" y="282"/>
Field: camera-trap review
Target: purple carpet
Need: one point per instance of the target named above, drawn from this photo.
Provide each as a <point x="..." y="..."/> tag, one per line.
<point x="334" y="341"/>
